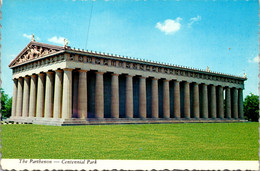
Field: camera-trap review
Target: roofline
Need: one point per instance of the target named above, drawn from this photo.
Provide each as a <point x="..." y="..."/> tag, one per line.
<point x="96" y="54"/>
<point x="68" y="49"/>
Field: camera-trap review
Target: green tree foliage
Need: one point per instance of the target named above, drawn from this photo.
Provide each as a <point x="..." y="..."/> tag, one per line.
<point x="6" y="104"/>
<point x="251" y="107"/>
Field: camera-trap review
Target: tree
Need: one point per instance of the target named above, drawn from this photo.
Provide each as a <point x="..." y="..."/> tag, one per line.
<point x="6" y="104"/>
<point x="251" y="107"/>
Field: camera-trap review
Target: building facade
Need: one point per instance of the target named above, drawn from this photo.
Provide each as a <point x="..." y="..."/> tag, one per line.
<point x="57" y="85"/>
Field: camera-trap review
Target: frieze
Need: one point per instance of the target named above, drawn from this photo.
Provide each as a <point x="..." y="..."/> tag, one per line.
<point x="105" y="62"/>
<point x="154" y="69"/>
<point x="97" y="61"/>
<point x="129" y="65"/>
<point x="80" y="58"/>
<point x="141" y="67"/>
<point x="120" y="64"/>
<point x="134" y="66"/>
<point x="147" y="68"/>
<point x="37" y="64"/>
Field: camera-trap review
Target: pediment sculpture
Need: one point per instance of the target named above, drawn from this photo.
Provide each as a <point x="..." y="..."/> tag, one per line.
<point x="34" y="52"/>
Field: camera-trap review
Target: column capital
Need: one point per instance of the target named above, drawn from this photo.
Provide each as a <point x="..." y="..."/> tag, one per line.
<point x="59" y="70"/>
<point x="49" y="72"/>
<point x="100" y="72"/>
<point x="154" y="78"/>
<point x="82" y="70"/>
<point x="67" y="69"/>
<point x="129" y="75"/>
<point x="27" y="77"/>
<point x="165" y="80"/>
<point x="41" y="74"/>
<point x="33" y="75"/>
<point x="20" y="78"/>
<point x="142" y="77"/>
<point x="115" y="74"/>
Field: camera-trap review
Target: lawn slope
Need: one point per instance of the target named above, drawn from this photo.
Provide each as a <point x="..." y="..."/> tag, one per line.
<point x="199" y="141"/>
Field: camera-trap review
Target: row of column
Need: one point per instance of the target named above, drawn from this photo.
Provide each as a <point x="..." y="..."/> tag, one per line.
<point x="42" y="96"/>
<point x="36" y="96"/>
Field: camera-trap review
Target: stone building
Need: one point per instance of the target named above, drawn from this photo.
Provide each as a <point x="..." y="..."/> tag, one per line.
<point x="57" y="85"/>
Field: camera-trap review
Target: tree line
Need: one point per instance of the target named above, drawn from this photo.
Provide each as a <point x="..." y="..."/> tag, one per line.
<point x="251" y="106"/>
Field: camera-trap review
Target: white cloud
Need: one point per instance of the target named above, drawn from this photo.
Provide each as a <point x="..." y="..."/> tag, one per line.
<point x="58" y="40"/>
<point x="29" y="36"/>
<point x="254" y="60"/>
<point x="193" y="20"/>
<point x="169" y="26"/>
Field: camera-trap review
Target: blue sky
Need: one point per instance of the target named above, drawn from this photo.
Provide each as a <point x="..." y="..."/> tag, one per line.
<point x="220" y="34"/>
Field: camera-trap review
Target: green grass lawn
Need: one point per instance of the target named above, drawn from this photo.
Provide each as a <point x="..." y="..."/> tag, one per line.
<point x="197" y="141"/>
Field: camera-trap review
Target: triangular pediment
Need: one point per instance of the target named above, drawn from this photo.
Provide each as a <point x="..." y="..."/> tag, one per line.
<point x="33" y="51"/>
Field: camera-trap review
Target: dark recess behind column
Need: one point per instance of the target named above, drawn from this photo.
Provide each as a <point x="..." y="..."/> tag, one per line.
<point x="122" y="95"/>
<point x="136" y="96"/>
<point x="149" y="97"/>
<point x="200" y="100"/>
<point x="160" y="95"/>
<point x="107" y="95"/>
<point x="75" y="87"/>
<point x="91" y="76"/>
<point x="171" y="87"/>
<point x="191" y="100"/>
<point x="182" y="99"/>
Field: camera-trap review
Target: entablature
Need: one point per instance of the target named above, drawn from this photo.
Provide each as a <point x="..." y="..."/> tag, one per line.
<point x="26" y="61"/>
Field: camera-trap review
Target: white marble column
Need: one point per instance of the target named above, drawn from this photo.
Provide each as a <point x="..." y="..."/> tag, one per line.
<point x="26" y="95"/>
<point x="196" y="102"/>
<point x="155" y="100"/>
<point x="187" y="100"/>
<point x="213" y="106"/>
<point x="82" y="95"/>
<point x="220" y="102"/>
<point x="114" y="96"/>
<point x="40" y="95"/>
<point x="32" y="106"/>
<point x="228" y="103"/>
<point x="14" y="100"/>
<point x="129" y="96"/>
<point x="235" y="103"/>
<point x="99" y="97"/>
<point x="204" y="109"/>
<point x="48" y="108"/>
<point x="19" y="98"/>
<point x="57" y="95"/>
<point x="240" y="104"/>
<point x="142" y="97"/>
<point x="67" y="94"/>
<point x="177" y="104"/>
<point x="166" y="99"/>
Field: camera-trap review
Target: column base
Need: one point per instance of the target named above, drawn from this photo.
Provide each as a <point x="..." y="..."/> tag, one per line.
<point x="107" y="121"/>
<point x="23" y="120"/>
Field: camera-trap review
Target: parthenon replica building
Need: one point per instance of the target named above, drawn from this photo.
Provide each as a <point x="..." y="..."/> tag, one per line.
<point x="60" y="85"/>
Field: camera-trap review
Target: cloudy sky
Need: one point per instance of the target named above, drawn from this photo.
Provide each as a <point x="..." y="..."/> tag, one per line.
<point x="220" y="34"/>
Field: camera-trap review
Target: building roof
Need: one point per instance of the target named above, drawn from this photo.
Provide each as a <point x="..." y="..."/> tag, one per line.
<point x="36" y="50"/>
